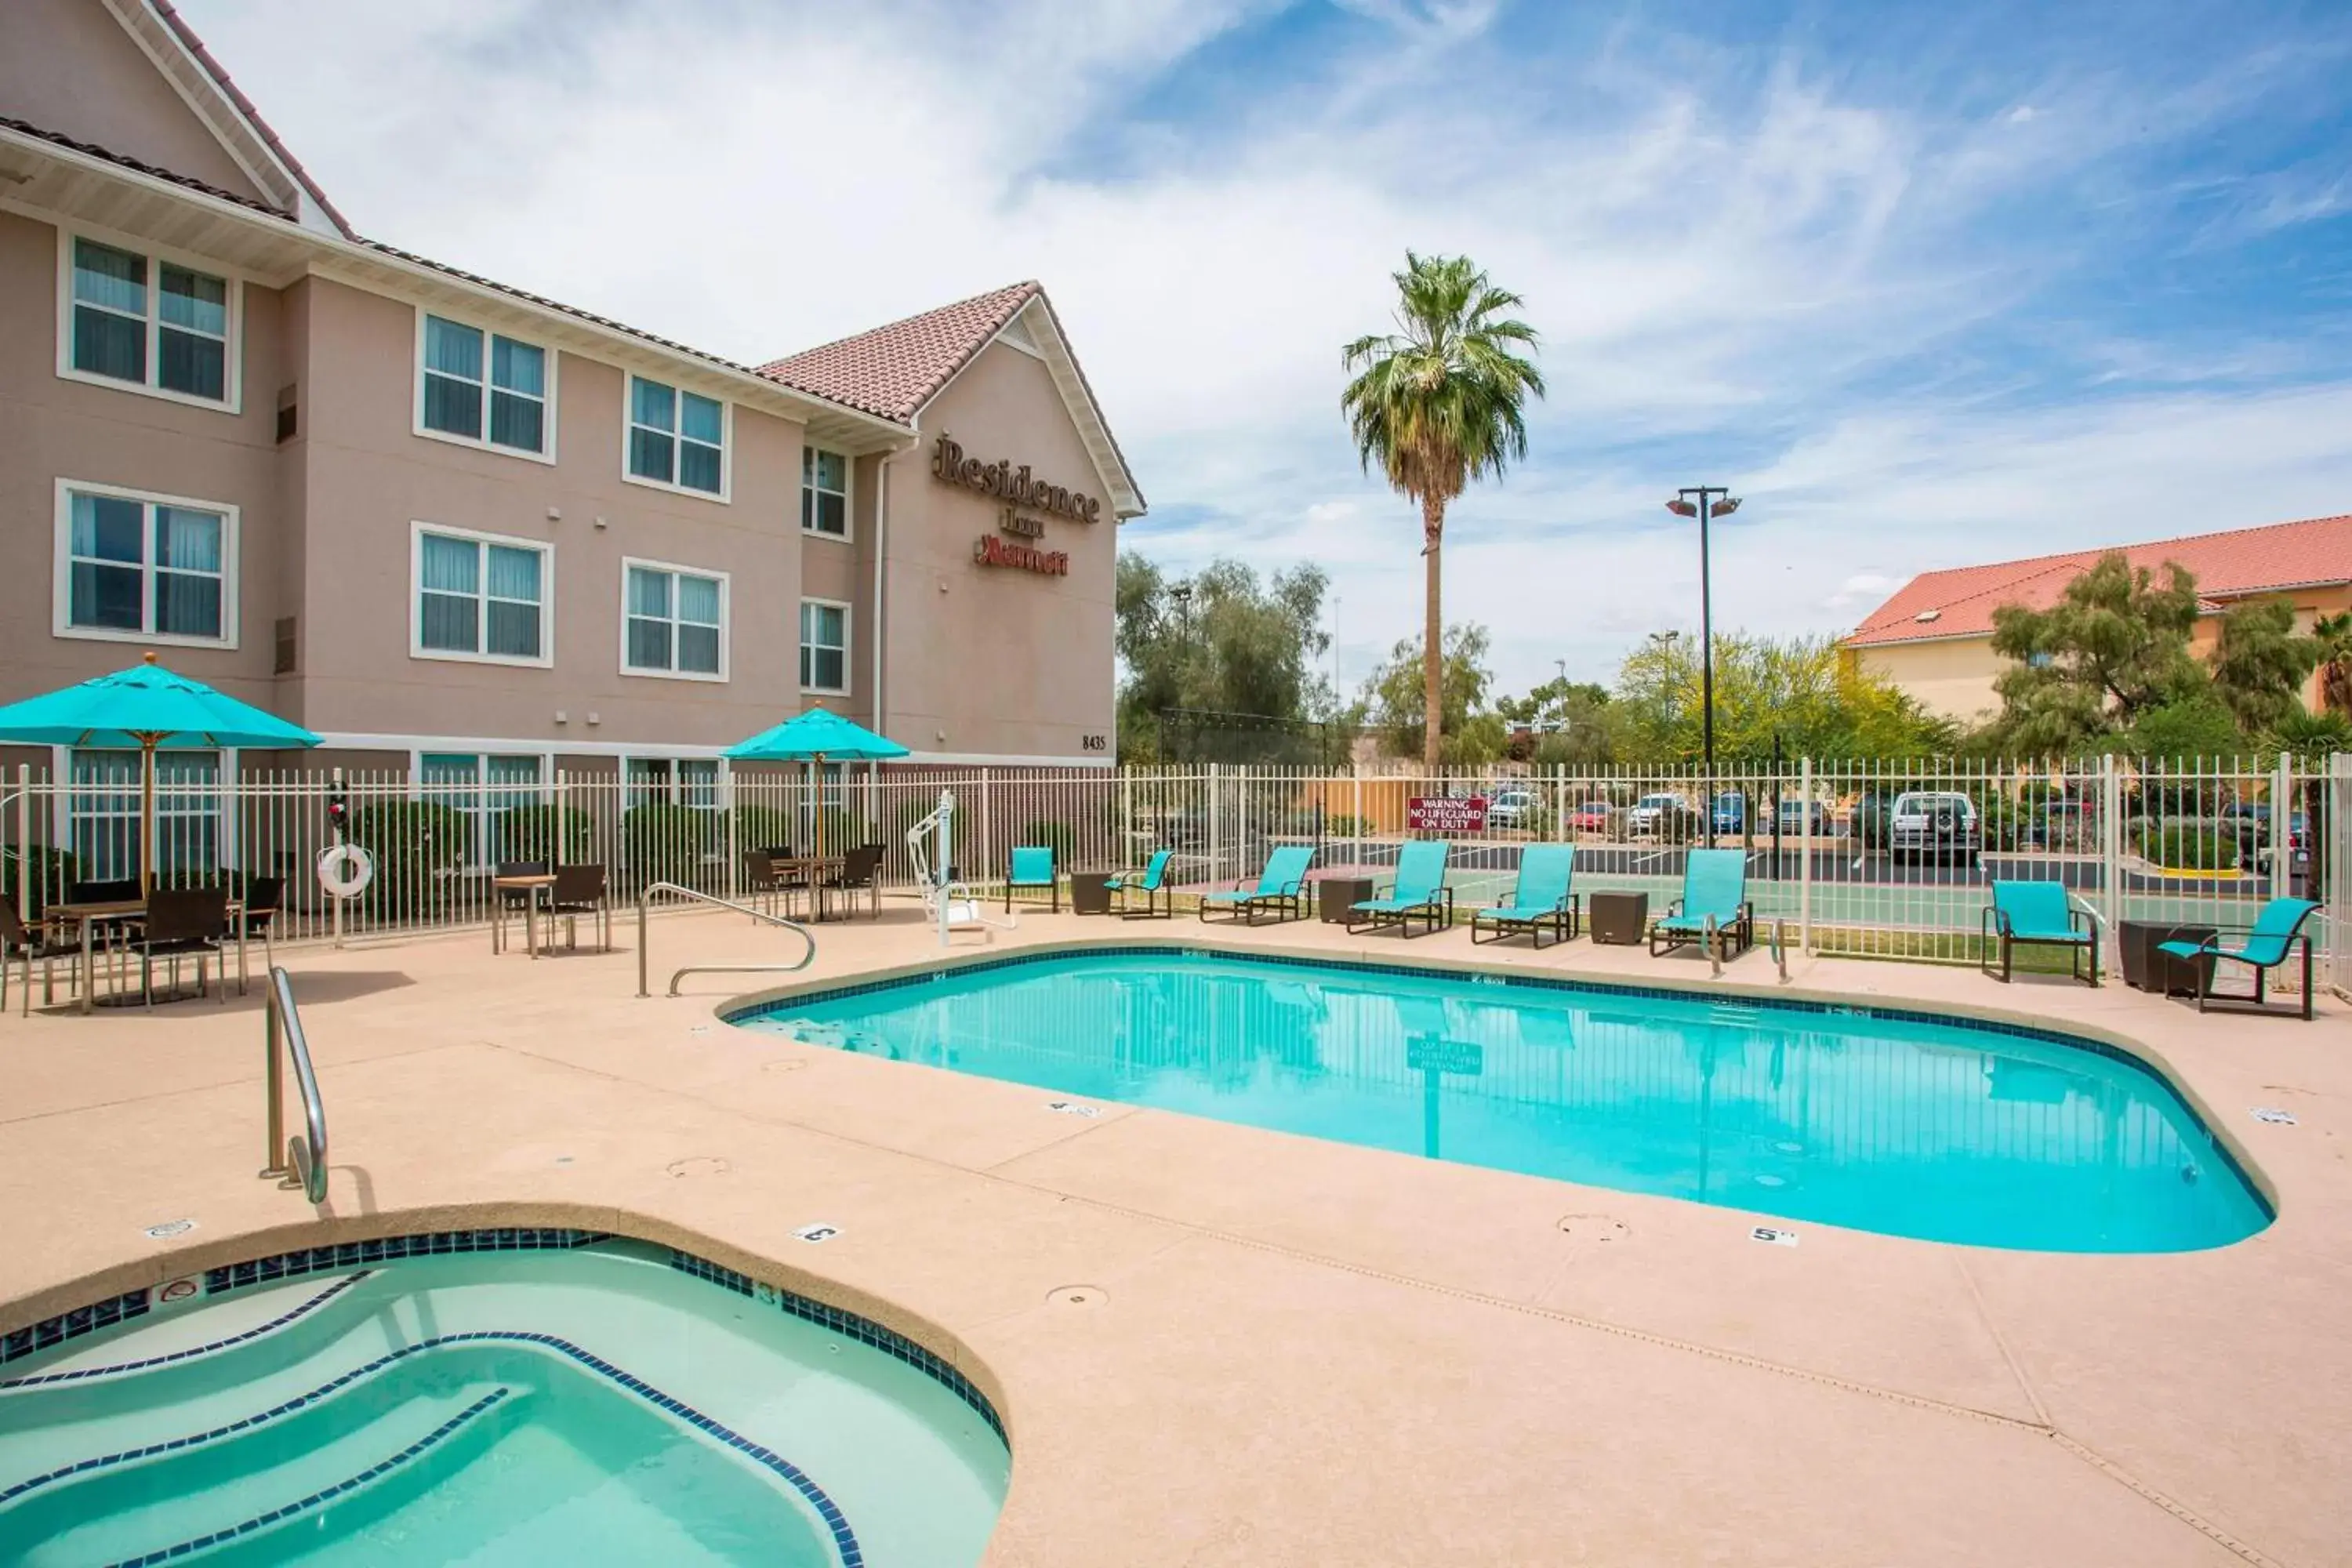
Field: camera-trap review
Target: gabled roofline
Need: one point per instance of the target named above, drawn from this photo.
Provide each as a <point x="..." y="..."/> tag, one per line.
<point x="1084" y="411"/>
<point x="334" y="247"/>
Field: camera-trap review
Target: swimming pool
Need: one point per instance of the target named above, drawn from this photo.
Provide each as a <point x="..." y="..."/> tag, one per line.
<point x="465" y="1397"/>
<point x="1943" y="1128"/>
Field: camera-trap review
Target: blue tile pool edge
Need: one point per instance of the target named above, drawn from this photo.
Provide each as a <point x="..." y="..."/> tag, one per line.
<point x="278" y="1266"/>
<point x="774" y="1005"/>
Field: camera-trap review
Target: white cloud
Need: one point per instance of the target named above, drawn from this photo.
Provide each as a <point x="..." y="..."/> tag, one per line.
<point x="1716" y="265"/>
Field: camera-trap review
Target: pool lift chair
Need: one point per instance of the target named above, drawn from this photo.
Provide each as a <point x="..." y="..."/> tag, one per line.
<point x="951" y="905"/>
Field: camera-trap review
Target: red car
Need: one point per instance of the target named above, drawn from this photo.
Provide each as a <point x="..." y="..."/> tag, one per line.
<point x="1591" y="816"/>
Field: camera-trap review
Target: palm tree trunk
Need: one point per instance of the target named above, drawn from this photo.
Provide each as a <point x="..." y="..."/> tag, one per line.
<point x="1433" y="635"/>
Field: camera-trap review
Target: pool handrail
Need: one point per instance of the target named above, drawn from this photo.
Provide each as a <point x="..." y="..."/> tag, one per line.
<point x="807" y="957"/>
<point x="304" y="1162"/>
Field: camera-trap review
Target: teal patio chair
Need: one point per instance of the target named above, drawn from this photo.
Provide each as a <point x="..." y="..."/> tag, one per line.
<point x="1419" y="892"/>
<point x="1281" y="887"/>
<point x="2275" y="933"/>
<point x="1540" y="901"/>
<point x="1159" y="893"/>
<point x="2037" y="914"/>
<point x="1714" y="886"/>
<point x="1032" y="868"/>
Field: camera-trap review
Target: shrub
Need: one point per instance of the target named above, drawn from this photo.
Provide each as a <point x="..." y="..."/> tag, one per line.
<point x="409" y="841"/>
<point x="547" y="833"/>
<point x="2195" y="844"/>
<point x="762" y="828"/>
<point x="54" y="871"/>
<point x="666" y="842"/>
<point x="1060" y="834"/>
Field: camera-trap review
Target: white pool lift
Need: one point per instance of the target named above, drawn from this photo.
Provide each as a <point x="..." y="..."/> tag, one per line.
<point x="951" y="905"/>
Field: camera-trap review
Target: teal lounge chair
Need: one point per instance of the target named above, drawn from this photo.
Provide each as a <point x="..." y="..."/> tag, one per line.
<point x="1540" y="902"/>
<point x="1281" y="887"/>
<point x="2274" y="934"/>
<point x="2037" y="914"/>
<point x="1419" y="892"/>
<point x="1159" y="893"/>
<point x="1032" y="867"/>
<point x="1715" y="884"/>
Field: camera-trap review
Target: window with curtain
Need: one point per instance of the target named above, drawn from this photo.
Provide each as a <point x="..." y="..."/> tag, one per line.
<point x="480" y="386"/>
<point x="482" y="788"/>
<point x="150" y="323"/>
<point x="673" y="781"/>
<point x="677" y="621"/>
<point x="824" y="646"/>
<point x="675" y="437"/>
<point x="824" y="493"/>
<point x="481" y="598"/>
<point x="143" y="567"/>
<point x="103" y="809"/>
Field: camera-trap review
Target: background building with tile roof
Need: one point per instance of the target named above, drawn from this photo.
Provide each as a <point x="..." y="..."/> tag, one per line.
<point x="1934" y="636"/>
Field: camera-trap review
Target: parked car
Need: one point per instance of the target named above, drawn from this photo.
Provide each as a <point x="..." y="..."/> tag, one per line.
<point x="2252" y="826"/>
<point x="1933" y="824"/>
<point x="1795" y="818"/>
<point x="1511" y="808"/>
<point x="1651" y="810"/>
<point x="1590" y="816"/>
<point x="1730" y="811"/>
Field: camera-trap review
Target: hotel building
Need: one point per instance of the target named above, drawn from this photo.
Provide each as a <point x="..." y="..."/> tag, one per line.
<point x="470" y="532"/>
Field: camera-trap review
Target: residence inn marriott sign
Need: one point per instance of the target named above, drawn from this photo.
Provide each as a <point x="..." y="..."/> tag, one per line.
<point x="1022" y="494"/>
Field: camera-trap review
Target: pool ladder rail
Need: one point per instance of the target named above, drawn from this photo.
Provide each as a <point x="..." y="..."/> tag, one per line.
<point x="296" y="1161"/>
<point x="808" y="954"/>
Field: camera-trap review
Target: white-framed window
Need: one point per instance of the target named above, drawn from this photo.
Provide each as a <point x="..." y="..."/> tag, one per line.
<point x="824" y="493"/>
<point x="677" y="439"/>
<point x="147" y="321"/>
<point x="104" y="816"/>
<point x="483" y="787"/>
<point x="824" y="646"/>
<point x="481" y="597"/>
<point x="673" y="621"/>
<point x="483" y="388"/>
<point x="137" y="567"/>
<point x="672" y="781"/>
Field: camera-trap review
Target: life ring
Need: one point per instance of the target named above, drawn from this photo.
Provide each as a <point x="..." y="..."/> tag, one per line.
<point x="346" y="869"/>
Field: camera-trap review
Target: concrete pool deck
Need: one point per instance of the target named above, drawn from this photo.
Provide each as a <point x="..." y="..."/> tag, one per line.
<point x="1288" y="1351"/>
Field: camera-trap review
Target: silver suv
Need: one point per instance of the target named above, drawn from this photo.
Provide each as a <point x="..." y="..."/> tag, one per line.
<point x="1933" y="824"/>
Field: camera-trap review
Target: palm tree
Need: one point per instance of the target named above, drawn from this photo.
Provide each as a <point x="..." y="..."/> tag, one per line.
<point x="2334" y="636"/>
<point x="1438" y="405"/>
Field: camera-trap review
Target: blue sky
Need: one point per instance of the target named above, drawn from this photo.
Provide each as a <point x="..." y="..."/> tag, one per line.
<point x="1926" y="284"/>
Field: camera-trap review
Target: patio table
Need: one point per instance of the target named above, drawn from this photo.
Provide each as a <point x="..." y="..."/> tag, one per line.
<point x="810" y="871"/>
<point x="90" y="915"/>
<point x="534" y="888"/>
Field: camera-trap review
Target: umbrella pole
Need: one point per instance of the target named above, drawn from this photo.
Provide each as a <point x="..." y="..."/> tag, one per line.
<point x="147" y="815"/>
<point x="817" y="797"/>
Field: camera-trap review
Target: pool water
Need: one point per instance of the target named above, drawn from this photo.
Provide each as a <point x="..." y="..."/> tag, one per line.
<point x="603" y="1404"/>
<point x="1911" y="1125"/>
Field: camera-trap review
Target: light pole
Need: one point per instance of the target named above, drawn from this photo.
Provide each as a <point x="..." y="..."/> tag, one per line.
<point x="1713" y="502"/>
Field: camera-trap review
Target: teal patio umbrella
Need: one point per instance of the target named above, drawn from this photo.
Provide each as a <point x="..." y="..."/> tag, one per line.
<point x="147" y="706"/>
<point x="811" y="738"/>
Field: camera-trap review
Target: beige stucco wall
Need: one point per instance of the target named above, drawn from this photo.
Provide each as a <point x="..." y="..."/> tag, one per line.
<point x="992" y="660"/>
<point x="1954" y="677"/>
<point x="1952" y="680"/>
<point x="67" y="65"/>
<point x="370" y="478"/>
<point x="52" y="427"/>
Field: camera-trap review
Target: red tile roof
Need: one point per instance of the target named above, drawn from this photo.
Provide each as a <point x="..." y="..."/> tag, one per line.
<point x="2229" y="565"/>
<point x="894" y="370"/>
